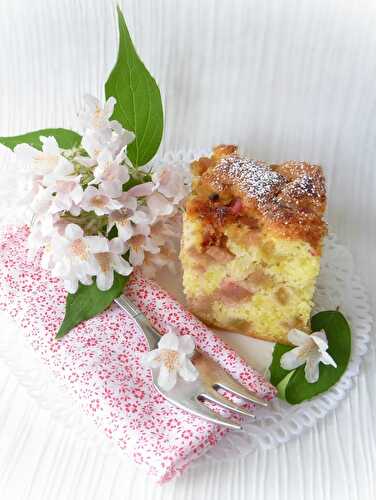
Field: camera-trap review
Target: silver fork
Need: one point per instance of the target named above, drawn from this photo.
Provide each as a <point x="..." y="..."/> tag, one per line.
<point x="191" y="396"/>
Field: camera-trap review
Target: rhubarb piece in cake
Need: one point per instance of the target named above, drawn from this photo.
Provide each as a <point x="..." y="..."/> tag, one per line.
<point x="251" y="246"/>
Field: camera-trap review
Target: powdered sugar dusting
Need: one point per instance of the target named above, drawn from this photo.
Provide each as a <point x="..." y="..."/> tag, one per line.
<point x="304" y="186"/>
<point x="255" y="178"/>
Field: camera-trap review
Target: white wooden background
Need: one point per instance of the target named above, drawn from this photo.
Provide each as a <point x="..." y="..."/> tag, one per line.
<point x="286" y="79"/>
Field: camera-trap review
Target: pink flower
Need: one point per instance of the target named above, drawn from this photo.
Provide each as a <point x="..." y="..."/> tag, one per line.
<point x="169" y="181"/>
<point x="99" y="201"/>
<point x="111" y="173"/>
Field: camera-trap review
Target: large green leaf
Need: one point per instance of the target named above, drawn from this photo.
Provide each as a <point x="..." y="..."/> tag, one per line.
<point x="139" y="105"/>
<point x="339" y="339"/>
<point x="66" y="139"/>
<point x="89" y="301"/>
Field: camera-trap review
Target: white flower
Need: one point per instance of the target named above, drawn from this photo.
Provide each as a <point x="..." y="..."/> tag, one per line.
<point x="68" y="194"/>
<point x="94" y="142"/>
<point x="74" y="256"/>
<point x="98" y="200"/>
<point x="153" y="262"/>
<point x="110" y="173"/>
<point x="137" y="246"/>
<point x="121" y="137"/>
<point x="49" y="164"/>
<point x="169" y="181"/>
<point x="40" y="235"/>
<point x="41" y="202"/>
<point x="311" y="350"/>
<point x="95" y="115"/>
<point x="109" y="262"/>
<point x="97" y="141"/>
<point x="129" y="220"/>
<point x="172" y="358"/>
<point x="100" y="133"/>
<point x="159" y="205"/>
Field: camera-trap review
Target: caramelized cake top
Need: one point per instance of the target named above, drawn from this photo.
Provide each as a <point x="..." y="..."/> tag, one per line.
<point x="289" y="198"/>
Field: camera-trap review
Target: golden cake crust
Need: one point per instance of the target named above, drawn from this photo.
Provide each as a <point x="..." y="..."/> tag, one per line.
<point x="289" y="198"/>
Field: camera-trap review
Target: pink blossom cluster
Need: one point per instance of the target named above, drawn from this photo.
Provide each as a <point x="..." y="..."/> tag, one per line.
<point x="93" y="212"/>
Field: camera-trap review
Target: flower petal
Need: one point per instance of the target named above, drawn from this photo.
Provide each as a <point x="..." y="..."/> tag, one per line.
<point x="320" y="340"/>
<point x="136" y="256"/>
<point x="71" y="285"/>
<point x="121" y="265"/>
<point x="109" y="105"/>
<point x="169" y="341"/>
<point x="140" y="217"/>
<point x="50" y="145"/>
<point x="125" y="231"/>
<point x="159" y="205"/>
<point x="104" y="158"/>
<point x="297" y="337"/>
<point x="187" y="370"/>
<point x="312" y="370"/>
<point x="186" y="344"/>
<point x="167" y="378"/>
<point x="116" y="245"/>
<point x="292" y="359"/>
<point x="25" y="153"/>
<point x="91" y="102"/>
<point x="76" y="194"/>
<point x="128" y="201"/>
<point x="85" y="279"/>
<point x="105" y="280"/>
<point x="151" y="359"/>
<point x="144" y="189"/>
<point x="73" y="232"/>
<point x="97" y="244"/>
<point x="327" y="359"/>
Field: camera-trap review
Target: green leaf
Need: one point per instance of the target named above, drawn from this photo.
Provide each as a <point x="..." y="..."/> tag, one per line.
<point x="339" y="339"/>
<point x="277" y="373"/>
<point x="66" y="139"/>
<point x="281" y="387"/>
<point x="89" y="301"/>
<point x="139" y="105"/>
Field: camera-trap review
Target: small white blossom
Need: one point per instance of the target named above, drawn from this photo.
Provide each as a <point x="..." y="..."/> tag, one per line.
<point x="49" y="163"/>
<point x="170" y="182"/>
<point x="101" y="134"/>
<point x="172" y="358"/>
<point x="129" y="220"/>
<point x="74" y="256"/>
<point x="110" y="173"/>
<point x="137" y="245"/>
<point x="68" y="194"/>
<point x="159" y="206"/>
<point x="95" y="142"/>
<point x="94" y="115"/>
<point x="41" y="202"/>
<point x="311" y="350"/>
<point x="109" y="262"/>
<point x="165" y="258"/>
<point x="98" y="200"/>
<point x="121" y="137"/>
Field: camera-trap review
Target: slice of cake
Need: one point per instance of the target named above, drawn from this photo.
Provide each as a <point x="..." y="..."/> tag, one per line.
<point x="252" y="238"/>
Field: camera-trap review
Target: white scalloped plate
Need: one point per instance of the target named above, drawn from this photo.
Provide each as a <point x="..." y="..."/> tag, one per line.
<point x="337" y="286"/>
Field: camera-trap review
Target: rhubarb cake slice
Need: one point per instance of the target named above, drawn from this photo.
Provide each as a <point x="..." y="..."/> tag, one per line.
<point x="251" y="245"/>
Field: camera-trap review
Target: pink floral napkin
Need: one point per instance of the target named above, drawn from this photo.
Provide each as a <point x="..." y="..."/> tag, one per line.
<point x="100" y="361"/>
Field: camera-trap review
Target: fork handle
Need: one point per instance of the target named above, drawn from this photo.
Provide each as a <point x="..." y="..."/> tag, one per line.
<point x="151" y="334"/>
